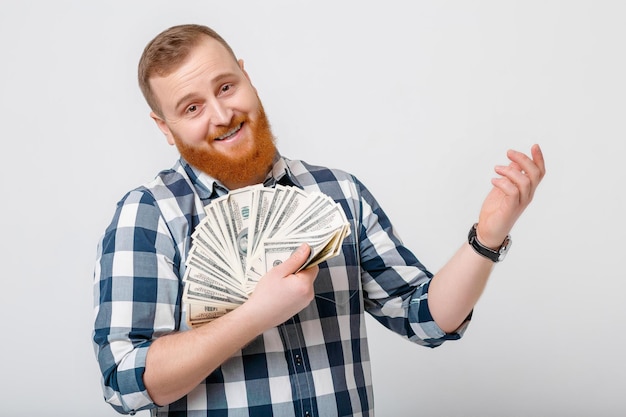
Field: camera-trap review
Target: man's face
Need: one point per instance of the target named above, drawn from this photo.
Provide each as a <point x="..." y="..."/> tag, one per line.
<point x="211" y="112"/>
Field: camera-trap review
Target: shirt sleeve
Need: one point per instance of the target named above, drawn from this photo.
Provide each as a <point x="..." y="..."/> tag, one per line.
<point x="395" y="283"/>
<point x="136" y="289"/>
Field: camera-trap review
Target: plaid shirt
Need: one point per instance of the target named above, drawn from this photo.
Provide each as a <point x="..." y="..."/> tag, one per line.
<point x="315" y="364"/>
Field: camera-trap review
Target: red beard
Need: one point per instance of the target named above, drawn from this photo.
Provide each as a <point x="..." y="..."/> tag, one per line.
<point x="241" y="167"/>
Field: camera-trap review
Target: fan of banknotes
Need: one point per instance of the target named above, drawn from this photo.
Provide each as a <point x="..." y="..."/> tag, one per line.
<point x="247" y="232"/>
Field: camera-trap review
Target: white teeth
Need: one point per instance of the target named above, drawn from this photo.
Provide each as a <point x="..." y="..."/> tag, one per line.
<point x="230" y="133"/>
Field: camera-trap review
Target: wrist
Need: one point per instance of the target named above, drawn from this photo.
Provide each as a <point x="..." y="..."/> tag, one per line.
<point x="489" y="242"/>
<point x="495" y="253"/>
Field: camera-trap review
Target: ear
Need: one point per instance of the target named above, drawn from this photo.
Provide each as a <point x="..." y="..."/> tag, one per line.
<point x="163" y="127"/>
<point x="240" y="62"/>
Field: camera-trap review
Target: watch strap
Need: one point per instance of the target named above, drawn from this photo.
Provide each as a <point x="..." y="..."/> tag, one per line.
<point x="491" y="254"/>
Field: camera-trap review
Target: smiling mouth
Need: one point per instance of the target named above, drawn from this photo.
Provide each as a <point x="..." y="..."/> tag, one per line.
<point x="230" y="133"/>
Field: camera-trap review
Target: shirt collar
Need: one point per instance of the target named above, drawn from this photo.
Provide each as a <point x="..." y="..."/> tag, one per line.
<point x="210" y="188"/>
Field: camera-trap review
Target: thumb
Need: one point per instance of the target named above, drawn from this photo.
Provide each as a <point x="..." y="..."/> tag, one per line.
<point x="294" y="262"/>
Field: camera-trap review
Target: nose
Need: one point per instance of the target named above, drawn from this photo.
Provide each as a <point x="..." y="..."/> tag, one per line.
<point x="220" y="113"/>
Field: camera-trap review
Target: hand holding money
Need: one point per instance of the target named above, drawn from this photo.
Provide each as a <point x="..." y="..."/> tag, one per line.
<point x="247" y="233"/>
<point x="285" y="289"/>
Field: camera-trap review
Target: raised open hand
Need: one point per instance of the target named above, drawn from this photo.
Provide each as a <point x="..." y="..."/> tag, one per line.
<point x="512" y="192"/>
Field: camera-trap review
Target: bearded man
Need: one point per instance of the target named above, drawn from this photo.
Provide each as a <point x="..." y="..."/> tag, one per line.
<point x="297" y="346"/>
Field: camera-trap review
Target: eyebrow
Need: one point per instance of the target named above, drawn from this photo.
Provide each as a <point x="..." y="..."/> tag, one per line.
<point x="190" y="96"/>
<point x="184" y="99"/>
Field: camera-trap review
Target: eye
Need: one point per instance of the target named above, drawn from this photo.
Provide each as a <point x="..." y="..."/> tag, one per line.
<point x="225" y="88"/>
<point x="192" y="109"/>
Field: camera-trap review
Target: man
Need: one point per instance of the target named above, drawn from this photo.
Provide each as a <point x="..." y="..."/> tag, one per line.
<point x="298" y="346"/>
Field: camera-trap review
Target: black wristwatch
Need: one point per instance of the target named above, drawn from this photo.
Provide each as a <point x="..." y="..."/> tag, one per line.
<point x="494" y="255"/>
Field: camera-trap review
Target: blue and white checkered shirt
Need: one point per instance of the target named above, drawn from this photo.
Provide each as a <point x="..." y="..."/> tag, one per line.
<point x="315" y="364"/>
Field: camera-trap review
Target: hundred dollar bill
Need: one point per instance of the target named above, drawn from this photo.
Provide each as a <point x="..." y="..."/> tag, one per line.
<point x="220" y="220"/>
<point x="198" y="313"/>
<point x="265" y="228"/>
<point x="207" y="234"/>
<point x="214" y="282"/>
<point x="196" y="292"/>
<point x="239" y="205"/>
<point x="297" y="203"/>
<point x="213" y="253"/>
<point x="203" y="261"/>
<point x="323" y="244"/>
<point x="260" y="208"/>
<point x="316" y="205"/>
<point x="327" y="215"/>
<point x="275" y="255"/>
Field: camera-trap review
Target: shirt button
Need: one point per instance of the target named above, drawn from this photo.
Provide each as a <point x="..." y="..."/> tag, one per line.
<point x="307" y="414"/>
<point x="299" y="361"/>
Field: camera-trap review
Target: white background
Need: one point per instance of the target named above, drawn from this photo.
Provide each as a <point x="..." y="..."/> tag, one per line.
<point x="418" y="99"/>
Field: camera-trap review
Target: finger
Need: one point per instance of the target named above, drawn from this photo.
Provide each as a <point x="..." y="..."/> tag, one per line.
<point x="538" y="158"/>
<point x="534" y="168"/>
<point x="507" y="188"/>
<point x="514" y="182"/>
<point x="294" y="262"/>
<point x="517" y="167"/>
<point x="526" y="165"/>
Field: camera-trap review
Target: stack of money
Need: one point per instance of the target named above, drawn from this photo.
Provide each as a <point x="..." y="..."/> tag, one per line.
<point x="247" y="232"/>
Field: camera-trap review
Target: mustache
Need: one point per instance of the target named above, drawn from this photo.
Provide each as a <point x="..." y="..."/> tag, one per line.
<point x="234" y="123"/>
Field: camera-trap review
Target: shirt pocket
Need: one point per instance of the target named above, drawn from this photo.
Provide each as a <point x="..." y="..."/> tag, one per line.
<point x="338" y="289"/>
